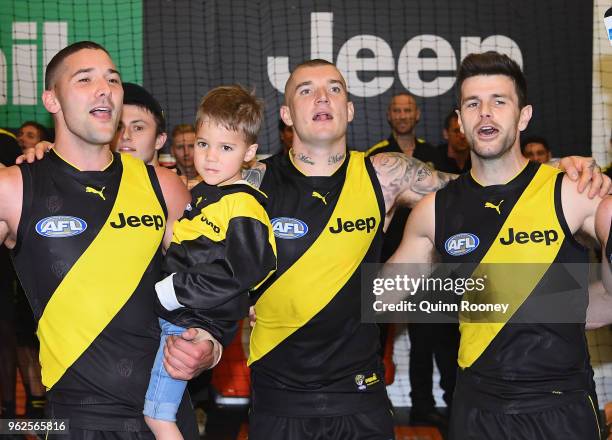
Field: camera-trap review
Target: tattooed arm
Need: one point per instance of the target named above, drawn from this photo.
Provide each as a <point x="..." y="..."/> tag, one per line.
<point x="254" y="174"/>
<point x="405" y="180"/>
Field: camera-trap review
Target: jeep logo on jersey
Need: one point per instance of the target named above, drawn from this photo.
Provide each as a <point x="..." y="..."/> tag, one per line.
<point x="289" y="228"/>
<point x="134" y="221"/>
<point x="521" y="237"/>
<point x="60" y="226"/>
<point x="361" y="224"/>
<point x="461" y="244"/>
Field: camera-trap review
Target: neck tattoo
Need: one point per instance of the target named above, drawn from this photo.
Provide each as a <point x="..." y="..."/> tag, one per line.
<point x="336" y="158"/>
<point x="301" y="157"/>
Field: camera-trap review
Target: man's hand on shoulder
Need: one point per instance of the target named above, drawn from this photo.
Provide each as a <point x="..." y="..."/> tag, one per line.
<point x="176" y="197"/>
<point x="33" y="154"/>
<point x="578" y="207"/>
<point x="585" y="171"/>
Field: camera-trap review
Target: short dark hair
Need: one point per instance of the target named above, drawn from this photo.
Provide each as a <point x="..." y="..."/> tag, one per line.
<point x="43" y="133"/>
<point x="56" y="61"/>
<point x="492" y="63"/>
<point x="134" y="94"/>
<point x="534" y="140"/>
<point x="449" y="117"/>
<point x="233" y="108"/>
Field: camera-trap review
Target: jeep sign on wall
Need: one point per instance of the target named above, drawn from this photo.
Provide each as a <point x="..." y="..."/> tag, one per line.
<point x="179" y="49"/>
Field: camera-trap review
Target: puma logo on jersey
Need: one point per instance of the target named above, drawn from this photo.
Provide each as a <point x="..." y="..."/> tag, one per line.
<point x="133" y="221"/>
<point x="548" y="236"/>
<point x="361" y="224"/>
<point x="199" y="199"/>
<point x="316" y="195"/>
<point x="492" y="206"/>
<point x="100" y="192"/>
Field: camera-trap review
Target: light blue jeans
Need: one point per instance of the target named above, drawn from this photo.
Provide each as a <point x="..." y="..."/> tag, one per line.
<point x="164" y="394"/>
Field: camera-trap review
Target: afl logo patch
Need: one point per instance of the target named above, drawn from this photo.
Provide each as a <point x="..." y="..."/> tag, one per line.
<point x="60" y="226"/>
<point x="289" y="228"/>
<point x="461" y="244"/>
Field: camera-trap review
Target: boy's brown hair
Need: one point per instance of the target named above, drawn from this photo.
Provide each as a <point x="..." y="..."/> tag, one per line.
<point x="233" y="108"/>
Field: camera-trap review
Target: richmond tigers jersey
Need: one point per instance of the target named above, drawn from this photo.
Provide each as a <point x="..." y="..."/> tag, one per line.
<point x="308" y="339"/>
<point x="88" y="255"/>
<point x="221" y="248"/>
<point x="520" y="222"/>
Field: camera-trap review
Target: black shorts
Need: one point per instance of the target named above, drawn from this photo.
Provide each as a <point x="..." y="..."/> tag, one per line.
<point x="575" y="419"/>
<point x="88" y="434"/>
<point x="373" y="425"/>
<point x="97" y="422"/>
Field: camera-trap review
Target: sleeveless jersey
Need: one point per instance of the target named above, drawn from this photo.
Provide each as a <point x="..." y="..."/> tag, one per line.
<point x="88" y="255"/>
<point x="520" y="222"/>
<point x="310" y="354"/>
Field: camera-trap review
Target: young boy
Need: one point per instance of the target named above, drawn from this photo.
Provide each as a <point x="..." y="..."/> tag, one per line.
<point x="222" y="247"/>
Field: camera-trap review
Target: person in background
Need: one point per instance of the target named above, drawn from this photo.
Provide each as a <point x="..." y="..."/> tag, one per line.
<point x="455" y="152"/>
<point x="142" y="127"/>
<point x="403" y="115"/>
<point x="183" y="140"/>
<point x="536" y="148"/>
<point x="30" y="133"/>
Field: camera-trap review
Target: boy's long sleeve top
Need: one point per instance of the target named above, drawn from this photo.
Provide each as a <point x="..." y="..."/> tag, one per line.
<point x="221" y="248"/>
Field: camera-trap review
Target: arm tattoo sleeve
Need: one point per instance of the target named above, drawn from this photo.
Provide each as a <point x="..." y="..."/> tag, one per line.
<point x="405" y="179"/>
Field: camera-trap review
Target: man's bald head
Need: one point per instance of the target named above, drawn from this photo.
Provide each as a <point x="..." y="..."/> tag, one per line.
<point x="310" y="63"/>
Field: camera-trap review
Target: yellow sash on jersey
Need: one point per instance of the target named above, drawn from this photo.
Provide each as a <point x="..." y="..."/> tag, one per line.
<point x="95" y="289"/>
<point x="318" y="275"/>
<point x="513" y="283"/>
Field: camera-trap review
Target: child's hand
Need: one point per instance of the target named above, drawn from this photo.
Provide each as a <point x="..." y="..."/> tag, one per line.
<point x="252" y="316"/>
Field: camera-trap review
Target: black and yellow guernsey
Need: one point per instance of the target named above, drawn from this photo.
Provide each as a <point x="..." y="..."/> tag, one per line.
<point x="88" y="254"/>
<point x="310" y="355"/>
<point x="520" y="222"/>
<point x="221" y="248"/>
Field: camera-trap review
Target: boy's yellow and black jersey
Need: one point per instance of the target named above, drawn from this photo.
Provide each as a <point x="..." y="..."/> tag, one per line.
<point x="519" y="222"/>
<point x="88" y="255"/>
<point x="221" y="248"/>
<point x="310" y="354"/>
